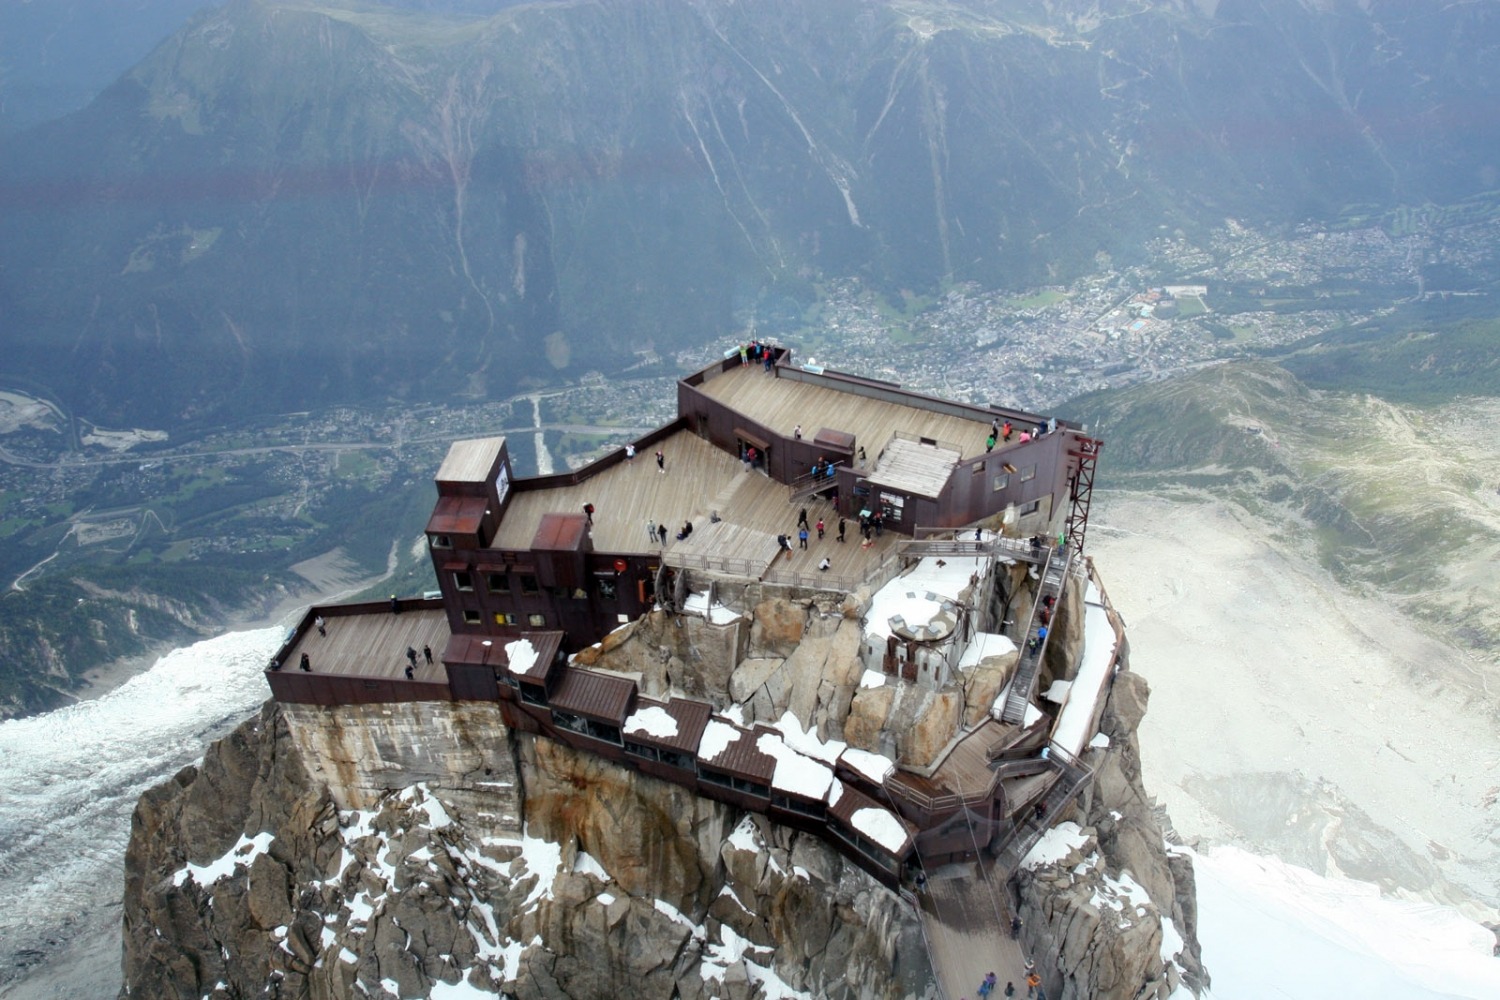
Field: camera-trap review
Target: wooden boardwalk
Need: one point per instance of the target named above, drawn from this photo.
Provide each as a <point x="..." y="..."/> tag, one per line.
<point x="966" y="919"/>
<point x="368" y="645"/>
<point x="700" y="480"/>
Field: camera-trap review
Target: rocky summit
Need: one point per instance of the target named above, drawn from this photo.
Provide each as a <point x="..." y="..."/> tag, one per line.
<point x="423" y="849"/>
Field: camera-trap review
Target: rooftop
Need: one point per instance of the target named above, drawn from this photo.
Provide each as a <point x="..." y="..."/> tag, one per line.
<point x="784" y="403"/>
<point x="469" y="461"/>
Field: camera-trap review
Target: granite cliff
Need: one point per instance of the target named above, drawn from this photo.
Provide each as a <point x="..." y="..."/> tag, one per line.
<point x="425" y="850"/>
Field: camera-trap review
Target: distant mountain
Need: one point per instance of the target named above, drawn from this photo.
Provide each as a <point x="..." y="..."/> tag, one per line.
<point x="288" y="202"/>
<point x="57" y="55"/>
<point x="1397" y="501"/>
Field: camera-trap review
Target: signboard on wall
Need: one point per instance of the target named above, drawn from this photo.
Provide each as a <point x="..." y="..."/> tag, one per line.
<point x="502" y="482"/>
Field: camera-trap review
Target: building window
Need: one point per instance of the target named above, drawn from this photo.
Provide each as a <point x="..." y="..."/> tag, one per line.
<point x="471" y="617"/>
<point x="529" y="586"/>
<point x="977" y="468"/>
<point x="536" y="620"/>
<point x="463" y="580"/>
<point x="499" y="583"/>
<point x="1001" y="482"/>
<point x="715" y="778"/>
<point x="606" y="587"/>
<point x="1028" y="474"/>
<point x="533" y="695"/>
<point x="504" y="618"/>
<point x="640" y="750"/>
<point x="442" y="542"/>
<point x="677" y="759"/>
<point x="1031" y="508"/>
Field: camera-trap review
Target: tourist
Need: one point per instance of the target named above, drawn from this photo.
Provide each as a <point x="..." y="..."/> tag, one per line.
<point x="651" y="530"/>
<point x="1015" y="927"/>
<point x="843" y="524"/>
<point x="630" y="453"/>
<point x="802" y="537"/>
<point x="1006" y="431"/>
<point x="322" y="626"/>
<point x="395" y="605"/>
<point x="275" y="666"/>
<point x="989" y="444"/>
<point x="1010" y="990"/>
<point x="797" y="433"/>
<point x="1032" y="982"/>
<point x="305" y="663"/>
<point x="687" y="529"/>
<point x="588" y="513"/>
<point x="661" y="532"/>
<point x="823" y="566"/>
<point x="411" y="656"/>
<point x="410" y="671"/>
<point x="820" y="529"/>
<point x="427" y="653"/>
<point x="802" y="518"/>
<point x="661" y="462"/>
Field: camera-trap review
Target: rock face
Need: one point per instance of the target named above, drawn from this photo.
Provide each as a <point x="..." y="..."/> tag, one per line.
<point x="399" y="850"/>
<point x="1115" y="915"/>
<point x="244" y="878"/>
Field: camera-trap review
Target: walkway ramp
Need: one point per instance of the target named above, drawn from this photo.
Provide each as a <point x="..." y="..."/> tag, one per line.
<point x="1054" y="575"/>
<point x="966" y="921"/>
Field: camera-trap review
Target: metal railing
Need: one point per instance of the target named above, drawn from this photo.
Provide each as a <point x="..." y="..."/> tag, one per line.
<point x="1053" y="575"/>
<point x="1024" y="835"/>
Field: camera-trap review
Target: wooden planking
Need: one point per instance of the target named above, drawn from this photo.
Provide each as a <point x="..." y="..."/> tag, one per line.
<point x="915" y="468"/>
<point x="699" y="479"/>
<point x="782" y="404"/>
<point x="625" y="496"/>
<point x="374" y="645"/>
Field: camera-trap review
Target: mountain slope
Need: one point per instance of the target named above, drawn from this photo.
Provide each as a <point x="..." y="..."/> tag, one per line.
<point x="1398" y="502"/>
<point x="290" y="200"/>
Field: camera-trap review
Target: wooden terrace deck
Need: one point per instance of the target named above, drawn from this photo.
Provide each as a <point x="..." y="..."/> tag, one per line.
<point x="872" y="421"/>
<point x="699" y="480"/>
<point x="374" y="645"/>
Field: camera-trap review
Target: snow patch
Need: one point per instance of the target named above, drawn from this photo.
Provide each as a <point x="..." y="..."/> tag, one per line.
<point x="716" y="739"/>
<point x="522" y="656"/>
<point x="244" y="852"/>
<point x="795" y="773"/>
<point x="653" y="721"/>
<point x="1056" y="844"/>
<point x="872" y="765"/>
<point x="880" y="826"/>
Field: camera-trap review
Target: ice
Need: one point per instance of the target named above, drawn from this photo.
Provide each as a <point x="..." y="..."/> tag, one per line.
<point x="72" y="776"/>
<point x="872" y="679"/>
<point x="1272" y="929"/>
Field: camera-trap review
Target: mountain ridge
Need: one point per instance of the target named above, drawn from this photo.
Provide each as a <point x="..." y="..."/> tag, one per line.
<point x="288" y="199"/>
